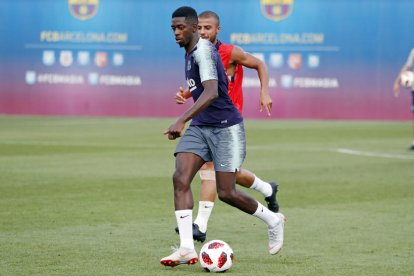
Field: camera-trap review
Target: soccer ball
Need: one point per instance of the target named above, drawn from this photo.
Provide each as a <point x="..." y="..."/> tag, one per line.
<point x="216" y="256"/>
<point x="407" y="79"/>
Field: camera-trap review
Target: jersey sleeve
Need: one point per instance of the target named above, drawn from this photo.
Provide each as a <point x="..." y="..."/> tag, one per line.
<point x="410" y="60"/>
<point x="206" y="59"/>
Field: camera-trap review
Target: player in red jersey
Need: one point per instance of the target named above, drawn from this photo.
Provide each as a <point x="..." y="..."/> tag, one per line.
<point x="233" y="59"/>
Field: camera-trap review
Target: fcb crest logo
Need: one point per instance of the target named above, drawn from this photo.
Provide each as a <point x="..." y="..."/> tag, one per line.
<point x="83" y="9"/>
<point x="277" y="9"/>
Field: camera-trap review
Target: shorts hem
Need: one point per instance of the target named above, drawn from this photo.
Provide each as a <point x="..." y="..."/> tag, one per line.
<point x="193" y="152"/>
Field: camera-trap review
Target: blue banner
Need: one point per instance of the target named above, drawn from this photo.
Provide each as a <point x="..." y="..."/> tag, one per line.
<point x="326" y="59"/>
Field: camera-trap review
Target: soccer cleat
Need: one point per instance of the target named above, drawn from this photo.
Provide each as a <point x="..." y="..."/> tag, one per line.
<point x="411" y="148"/>
<point x="271" y="200"/>
<point x="197" y="234"/>
<point x="180" y="256"/>
<point x="276" y="235"/>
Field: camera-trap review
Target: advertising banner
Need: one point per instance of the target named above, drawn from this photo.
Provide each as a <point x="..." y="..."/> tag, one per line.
<point x="326" y="59"/>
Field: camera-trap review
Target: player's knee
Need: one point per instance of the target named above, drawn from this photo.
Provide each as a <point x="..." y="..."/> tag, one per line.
<point x="225" y="196"/>
<point x="180" y="181"/>
<point x="208" y="166"/>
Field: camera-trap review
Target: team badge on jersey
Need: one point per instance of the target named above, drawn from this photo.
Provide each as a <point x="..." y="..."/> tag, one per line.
<point x="83" y="9"/>
<point x="277" y="9"/>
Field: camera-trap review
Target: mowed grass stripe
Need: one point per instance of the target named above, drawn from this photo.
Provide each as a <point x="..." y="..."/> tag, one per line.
<point x="93" y="196"/>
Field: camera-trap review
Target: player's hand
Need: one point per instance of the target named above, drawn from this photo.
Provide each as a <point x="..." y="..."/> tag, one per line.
<point x="182" y="95"/>
<point x="396" y="89"/>
<point x="266" y="103"/>
<point x="174" y="131"/>
<point x="179" y="99"/>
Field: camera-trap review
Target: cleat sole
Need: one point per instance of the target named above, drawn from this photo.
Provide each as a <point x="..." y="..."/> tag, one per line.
<point x="192" y="261"/>
<point x="171" y="263"/>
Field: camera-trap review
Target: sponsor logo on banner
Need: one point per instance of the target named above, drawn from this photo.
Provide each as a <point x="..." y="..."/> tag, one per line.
<point x="277" y="10"/>
<point x="276" y="60"/>
<point x="93" y="78"/>
<point x="83" y="58"/>
<point x="48" y="58"/>
<point x="83" y="9"/>
<point x="286" y="81"/>
<point x="101" y="59"/>
<point x="295" y="61"/>
<point x="118" y="59"/>
<point x="30" y="77"/>
<point x="313" y="61"/>
<point x="66" y="58"/>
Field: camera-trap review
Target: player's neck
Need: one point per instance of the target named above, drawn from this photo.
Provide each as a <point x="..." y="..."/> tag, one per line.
<point x="192" y="44"/>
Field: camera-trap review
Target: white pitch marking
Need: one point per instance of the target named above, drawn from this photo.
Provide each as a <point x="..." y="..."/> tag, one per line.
<point x="374" y="154"/>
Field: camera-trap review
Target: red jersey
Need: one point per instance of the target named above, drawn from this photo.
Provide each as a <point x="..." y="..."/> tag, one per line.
<point x="235" y="82"/>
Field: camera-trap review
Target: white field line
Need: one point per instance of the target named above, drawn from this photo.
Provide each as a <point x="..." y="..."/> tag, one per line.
<point x="374" y="154"/>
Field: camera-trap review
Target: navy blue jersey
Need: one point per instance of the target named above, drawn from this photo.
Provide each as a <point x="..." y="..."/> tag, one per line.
<point x="201" y="64"/>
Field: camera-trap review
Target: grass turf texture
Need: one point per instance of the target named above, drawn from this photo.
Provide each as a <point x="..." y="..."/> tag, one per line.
<point x="93" y="196"/>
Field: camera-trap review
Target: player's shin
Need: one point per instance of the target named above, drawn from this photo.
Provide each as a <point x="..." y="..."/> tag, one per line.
<point x="204" y="211"/>
<point x="261" y="186"/>
<point x="185" y="225"/>
<point x="266" y="215"/>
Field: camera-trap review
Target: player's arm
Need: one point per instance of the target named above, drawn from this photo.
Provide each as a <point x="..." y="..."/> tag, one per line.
<point x="398" y="80"/>
<point x="238" y="56"/>
<point x="407" y="66"/>
<point x="206" y="98"/>
<point x="206" y="61"/>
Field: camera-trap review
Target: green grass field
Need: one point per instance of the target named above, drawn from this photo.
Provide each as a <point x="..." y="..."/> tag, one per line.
<point x="93" y="196"/>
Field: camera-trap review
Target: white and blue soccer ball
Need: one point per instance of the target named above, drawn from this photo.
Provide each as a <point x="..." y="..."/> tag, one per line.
<point x="216" y="256"/>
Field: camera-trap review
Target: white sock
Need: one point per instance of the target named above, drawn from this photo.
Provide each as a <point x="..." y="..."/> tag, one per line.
<point x="185" y="226"/>
<point x="266" y="215"/>
<point x="262" y="187"/>
<point x="204" y="211"/>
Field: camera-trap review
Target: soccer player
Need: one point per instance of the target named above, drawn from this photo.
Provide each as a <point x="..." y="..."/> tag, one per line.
<point x="409" y="65"/>
<point x="233" y="59"/>
<point x="216" y="133"/>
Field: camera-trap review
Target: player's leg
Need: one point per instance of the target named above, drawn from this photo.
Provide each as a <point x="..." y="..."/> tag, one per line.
<point x="269" y="190"/>
<point x="244" y="178"/>
<point x="412" y="145"/>
<point x="243" y="201"/>
<point x="208" y="195"/>
<point x="186" y="166"/>
<point x="227" y="192"/>
<point x="206" y="204"/>
<point x="190" y="155"/>
<point x="228" y="155"/>
<point x="412" y="109"/>
<point x="208" y="182"/>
